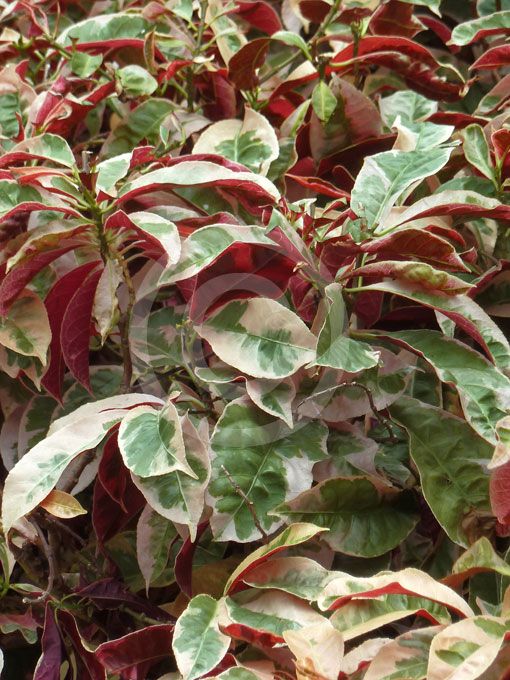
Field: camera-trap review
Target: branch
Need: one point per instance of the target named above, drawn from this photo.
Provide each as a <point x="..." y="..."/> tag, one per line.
<point x="249" y="504"/>
<point x="382" y="420"/>
<point x="48" y="550"/>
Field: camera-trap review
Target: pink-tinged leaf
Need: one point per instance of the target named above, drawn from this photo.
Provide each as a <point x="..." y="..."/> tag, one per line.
<point x="395" y="18"/>
<point x="136" y="651"/>
<point x="75" y="330"/>
<point x="88" y="665"/>
<point x="259" y="14"/>
<point x="319" y="186"/>
<point x="155" y="235"/>
<point x="415" y="273"/>
<point x="244" y="64"/>
<point x="184" y="561"/>
<point x="292" y="535"/>
<point x="500" y="493"/>
<point x="48" y="666"/>
<point x="495" y="57"/>
<point x="56" y="303"/>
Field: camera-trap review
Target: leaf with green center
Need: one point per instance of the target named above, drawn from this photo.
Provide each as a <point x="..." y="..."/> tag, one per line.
<point x="26" y="329"/>
<point x="265" y="461"/>
<point x="205" y="245"/>
<point x="466" y="649"/>
<point x="46" y="147"/>
<point x="420" y="136"/>
<point x="154" y="536"/>
<point x="111" y="171"/>
<point x="16" y="198"/>
<point x="35" y="475"/>
<point x="484" y="391"/>
<point x="178" y="496"/>
<point x="334" y="348"/>
<point x="299" y="576"/>
<point x="239" y="673"/>
<point x="323" y="101"/>
<point x="105" y="28"/>
<point x="136" y="81"/>
<point x="260" y="337"/>
<point x="289" y="537"/>
<point x="359" y="617"/>
<point x="477" y="151"/>
<point x="151" y="442"/>
<point x="449" y="457"/>
<point x="318" y="648"/>
<point x="252" y="141"/>
<point x="142" y="122"/>
<point x="362" y="519"/>
<point x="479" y="557"/>
<point x="198" y="643"/>
<point x="406" y="656"/>
<point x="492" y="24"/>
<point x="410" y="106"/>
<point x="84" y="65"/>
<point x="155" y="233"/>
<point x="386" y="176"/>
<point x="273" y="396"/>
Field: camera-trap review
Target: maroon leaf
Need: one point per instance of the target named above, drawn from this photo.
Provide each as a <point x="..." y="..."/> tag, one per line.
<point x="48" y="666"/>
<point x="500" y="493"/>
<point x="108" y="594"/>
<point x="260" y="15"/>
<point x="75" y="330"/>
<point x="90" y="666"/>
<point x="108" y="516"/>
<point x="244" y="63"/>
<point x="184" y="561"/>
<point x="495" y="57"/>
<point x="395" y="18"/>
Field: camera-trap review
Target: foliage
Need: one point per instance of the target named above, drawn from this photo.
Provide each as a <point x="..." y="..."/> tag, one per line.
<point x="254" y="298"/>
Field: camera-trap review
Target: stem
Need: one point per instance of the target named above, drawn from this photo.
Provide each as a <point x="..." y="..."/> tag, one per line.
<point x="124" y="325"/>
<point x="381" y="419"/>
<point x="249" y="504"/>
<point x="48" y="550"/>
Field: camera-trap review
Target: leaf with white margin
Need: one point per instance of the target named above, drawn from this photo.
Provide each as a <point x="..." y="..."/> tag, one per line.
<point x="177" y="496"/>
<point x="198" y="644"/>
<point x="479" y="557"/>
<point x="290" y="536"/>
<point x="501" y="453"/>
<point x="359" y="617"/>
<point x="111" y="171"/>
<point x="35" y="475"/>
<point x="408" y="581"/>
<point x="264" y="459"/>
<point x="420" y="136"/>
<point x="260" y="337"/>
<point x="360" y="656"/>
<point x="46" y="147"/>
<point x="449" y="457"/>
<point x="467" y="32"/>
<point x="386" y="176"/>
<point x="251" y="142"/>
<point x="243" y="673"/>
<point x="410" y="106"/>
<point x="464" y="650"/>
<point x="404" y="657"/>
<point x="483" y="390"/>
<point x="318" y="649"/>
<point x="299" y="576"/>
<point x="273" y="396"/>
<point x="334" y="348"/>
<point x="161" y="230"/>
<point x="204" y="245"/>
<point x="363" y="517"/>
<point x="25" y="329"/>
<point x="151" y="442"/>
<point x="106" y="305"/>
<point x="154" y="537"/>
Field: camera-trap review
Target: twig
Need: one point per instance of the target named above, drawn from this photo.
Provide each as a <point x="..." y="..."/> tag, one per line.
<point x="249" y="504"/>
<point x="87" y="457"/>
<point x="382" y="420"/>
<point x="48" y="550"/>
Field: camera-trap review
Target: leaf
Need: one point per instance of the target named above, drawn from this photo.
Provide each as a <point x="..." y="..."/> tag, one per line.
<point x="476" y="29"/>
<point x="412" y="582"/>
<point x="198" y="644"/>
<point x="205" y="245"/>
<point x="154" y="537"/>
<point x="259" y="337"/>
<point x="48" y="665"/>
<point x="479" y="557"/>
<point x="299" y="576"/>
<point x="102" y="30"/>
<point x="105" y="309"/>
<point x="466" y="648"/>
<point x="177" y="495"/>
<point x="323" y="101"/>
<point x="251" y="142"/>
<point x="266" y="462"/>
<point x="449" y="458"/>
<point x="318" y="649"/>
<point x="46" y="147"/>
<point x="484" y="391"/>
<point x="406" y="656"/>
<point x="362" y="519"/>
<point x="273" y="396"/>
<point x="477" y="151"/>
<point x="144" y="429"/>
<point x="145" y="646"/>
<point x="410" y="106"/>
<point x="155" y="234"/>
<point x="136" y="81"/>
<point x="83" y="64"/>
<point x="62" y="504"/>
<point x="111" y="171"/>
<point x="385" y="176"/>
<point x="417" y="273"/>
<point x="35" y="475"/>
<point x="26" y="329"/>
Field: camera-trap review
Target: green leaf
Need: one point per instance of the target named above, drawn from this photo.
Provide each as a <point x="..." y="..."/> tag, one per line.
<point x="252" y="141"/>
<point x="477" y="151"/>
<point x="36" y="474"/>
<point x="84" y="65"/>
<point x="323" y="101"/>
<point x="260" y="337"/>
<point x="178" y="496"/>
<point x="293" y="39"/>
<point x="420" y="136"/>
<point x="159" y="432"/>
<point x="25" y="329"/>
<point x="136" y="81"/>
<point x="362" y="519"/>
<point x="410" y="106"/>
<point x="111" y="171"/>
<point x="205" y="245"/>
<point x="334" y="348"/>
<point x="46" y="147"/>
<point x="104" y="28"/>
<point x="449" y="457"/>
<point x="154" y="536"/>
<point x="463" y="34"/>
<point x="484" y="391"/>
<point x="198" y="643"/>
<point x="299" y="576"/>
<point x="266" y="462"/>
<point x="273" y="396"/>
<point x="479" y="557"/>
<point x="386" y="176"/>
<point x="406" y="656"/>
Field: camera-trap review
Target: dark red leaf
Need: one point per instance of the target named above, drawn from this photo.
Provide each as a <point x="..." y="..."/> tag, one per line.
<point x="500" y="493"/>
<point x="48" y="666"/>
<point x="108" y="516"/>
<point x="495" y="57"/>
<point x="395" y="18"/>
<point x="90" y="666"/>
<point x="260" y="15"/>
<point x="244" y="63"/>
<point x="108" y="594"/>
<point x="184" y="561"/>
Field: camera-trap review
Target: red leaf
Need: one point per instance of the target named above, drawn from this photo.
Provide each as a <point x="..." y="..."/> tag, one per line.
<point x="495" y="57"/>
<point x="319" y="186"/>
<point x="48" y="666"/>
<point x="136" y="652"/>
<point x="108" y="594"/>
<point x="112" y="473"/>
<point x="244" y="63"/>
<point x="56" y="304"/>
<point x="395" y="18"/>
<point x="259" y="15"/>
<point x="75" y="330"/>
<point x="500" y="493"/>
<point x="183" y="567"/>
<point x="90" y="666"/>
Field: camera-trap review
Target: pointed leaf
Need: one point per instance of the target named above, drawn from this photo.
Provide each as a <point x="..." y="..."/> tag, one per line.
<point x="406" y="656"/>
<point x="323" y="101"/>
<point x="62" y="504"/>
<point x="26" y="329"/>
<point x="477" y="151"/>
<point x="476" y="29"/>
